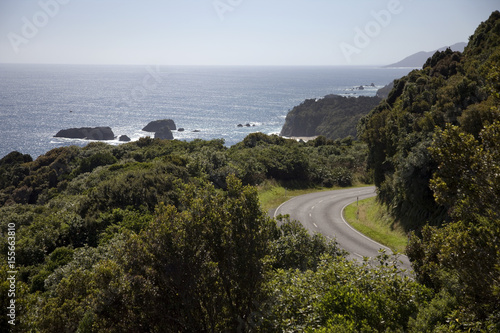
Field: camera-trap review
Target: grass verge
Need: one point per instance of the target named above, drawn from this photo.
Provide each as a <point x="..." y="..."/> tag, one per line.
<point x="375" y="222"/>
<point x="272" y="194"/>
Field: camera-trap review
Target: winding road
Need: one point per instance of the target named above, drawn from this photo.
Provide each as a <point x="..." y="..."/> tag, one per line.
<point x="323" y="212"/>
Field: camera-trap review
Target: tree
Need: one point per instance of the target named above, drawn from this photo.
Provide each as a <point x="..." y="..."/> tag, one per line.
<point x="295" y="248"/>
<point x="468" y="176"/>
<point x="342" y="296"/>
<point x="195" y="268"/>
<point x="463" y="258"/>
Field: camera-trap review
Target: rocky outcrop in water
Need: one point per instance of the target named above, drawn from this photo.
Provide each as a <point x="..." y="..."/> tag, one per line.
<point x="87" y="133"/>
<point x="124" y="138"/>
<point x="157" y="125"/>
<point x="164" y="133"/>
<point x="162" y="128"/>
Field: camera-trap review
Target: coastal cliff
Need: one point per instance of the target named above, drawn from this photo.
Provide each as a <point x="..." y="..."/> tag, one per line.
<point x="333" y="116"/>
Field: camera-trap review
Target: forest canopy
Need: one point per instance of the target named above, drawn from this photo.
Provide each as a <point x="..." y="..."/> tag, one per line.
<point x="102" y="232"/>
<point x="434" y="148"/>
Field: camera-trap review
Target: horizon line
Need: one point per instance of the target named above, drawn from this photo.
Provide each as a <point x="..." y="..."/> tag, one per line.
<point x="199" y="65"/>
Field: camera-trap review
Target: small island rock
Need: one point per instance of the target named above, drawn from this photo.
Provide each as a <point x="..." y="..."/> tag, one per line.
<point x="157" y="125"/>
<point x="124" y="138"/>
<point x="89" y="133"/>
<point x="164" y="133"/>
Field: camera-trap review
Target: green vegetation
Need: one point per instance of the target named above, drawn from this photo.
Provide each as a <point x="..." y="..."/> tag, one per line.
<point x="434" y="148"/>
<point x="102" y="232"/>
<point x="372" y="219"/>
<point x="342" y="296"/>
<point x="451" y="89"/>
<point x="170" y="236"/>
<point x="333" y="116"/>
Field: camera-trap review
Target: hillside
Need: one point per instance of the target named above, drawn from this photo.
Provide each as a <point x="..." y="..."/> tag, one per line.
<point x="93" y="236"/>
<point x="453" y="88"/>
<point x="333" y="116"/>
<point x="418" y="59"/>
<point x="434" y="148"/>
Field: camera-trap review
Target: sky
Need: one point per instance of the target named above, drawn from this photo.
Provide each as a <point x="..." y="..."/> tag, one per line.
<point x="233" y="32"/>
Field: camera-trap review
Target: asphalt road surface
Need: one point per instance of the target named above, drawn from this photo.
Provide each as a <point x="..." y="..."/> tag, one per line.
<point x="322" y="212"/>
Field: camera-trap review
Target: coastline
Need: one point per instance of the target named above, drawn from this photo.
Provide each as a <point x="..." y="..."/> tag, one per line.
<point x="298" y="138"/>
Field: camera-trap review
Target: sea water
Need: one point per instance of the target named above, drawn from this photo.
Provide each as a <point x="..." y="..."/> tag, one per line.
<point x="36" y="101"/>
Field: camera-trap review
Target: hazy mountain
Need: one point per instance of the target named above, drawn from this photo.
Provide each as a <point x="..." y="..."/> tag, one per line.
<point x="419" y="58"/>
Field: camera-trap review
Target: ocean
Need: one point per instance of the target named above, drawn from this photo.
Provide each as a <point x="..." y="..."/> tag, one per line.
<point x="36" y="101"/>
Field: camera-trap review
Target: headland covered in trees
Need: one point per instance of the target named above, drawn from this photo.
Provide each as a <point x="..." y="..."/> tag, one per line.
<point x="167" y="236"/>
<point x="333" y="116"/>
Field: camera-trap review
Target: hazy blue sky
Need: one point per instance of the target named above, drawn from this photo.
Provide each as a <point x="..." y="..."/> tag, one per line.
<point x="232" y="32"/>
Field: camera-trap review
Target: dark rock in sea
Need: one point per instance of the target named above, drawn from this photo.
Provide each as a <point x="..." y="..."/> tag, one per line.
<point x="164" y="133"/>
<point x="361" y="88"/>
<point x="196" y="131"/>
<point x="247" y="125"/>
<point x="181" y="129"/>
<point x="89" y="133"/>
<point x="156" y="125"/>
<point x="240" y="125"/>
<point x="124" y="138"/>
